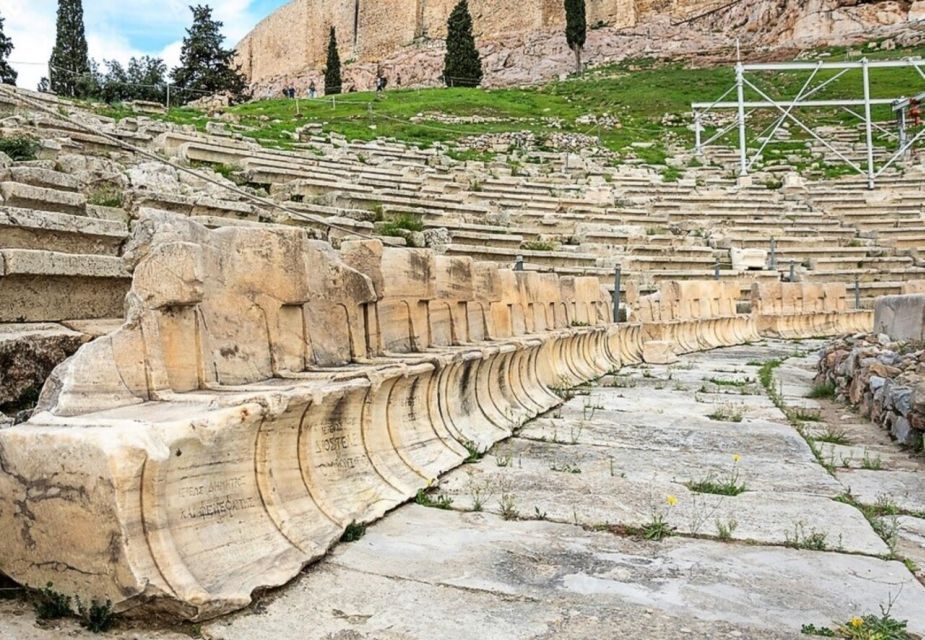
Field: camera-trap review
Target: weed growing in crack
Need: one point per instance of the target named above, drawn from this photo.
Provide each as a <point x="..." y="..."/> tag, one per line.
<point x="727" y="485"/>
<point x="50" y="605"/>
<point x="354" y="531"/>
<point x="834" y="435"/>
<point x="727" y="413"/>
<point x="474" y="454"/>
<point x="95" y="617"/>
<point x="724" y="530"/>
<point x="871" y="463"/>
<point x="658" y="528"/>
<point x="503" y="459"/>
<point x="439" y="501"/>
<point x="801" y="539"/>
<point x="480" y="492"/>
<point x="867" y="627"/>
<point x="565" y="468"/>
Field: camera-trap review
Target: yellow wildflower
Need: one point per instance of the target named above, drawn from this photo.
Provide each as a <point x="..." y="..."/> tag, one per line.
<point x="856" y="622"/>
<point x="671" y="500"/>
<point x="736" y="457"/>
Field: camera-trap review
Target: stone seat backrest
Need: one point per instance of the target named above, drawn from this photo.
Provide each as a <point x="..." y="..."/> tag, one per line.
<point x="229" y="307"/>
<point x="405" y="283"/>
<point x="454" y="292"/>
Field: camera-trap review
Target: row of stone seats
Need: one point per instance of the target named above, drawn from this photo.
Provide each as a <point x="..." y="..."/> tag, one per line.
<point x="688" y="316"/>
<point x="57" y="263"/>
<point x="800" y="309"/>
<point x="264" y="393"/>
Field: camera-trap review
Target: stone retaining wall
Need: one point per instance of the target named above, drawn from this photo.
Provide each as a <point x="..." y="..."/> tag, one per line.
<point x="882" y="374"/>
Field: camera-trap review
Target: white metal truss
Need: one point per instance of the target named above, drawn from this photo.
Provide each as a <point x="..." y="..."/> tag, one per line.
<point x="802" y="100"/>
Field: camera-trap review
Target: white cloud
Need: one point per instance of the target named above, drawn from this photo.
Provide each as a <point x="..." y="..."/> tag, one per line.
<point x="116" y="29"/>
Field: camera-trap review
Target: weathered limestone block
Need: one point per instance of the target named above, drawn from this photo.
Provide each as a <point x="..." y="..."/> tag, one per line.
<point x="745" y="259"/>
<point x="41" y="286"/>
<point x="28" y="353"/>
<point x="901" y="317"/>
<point x="16" y="194"/>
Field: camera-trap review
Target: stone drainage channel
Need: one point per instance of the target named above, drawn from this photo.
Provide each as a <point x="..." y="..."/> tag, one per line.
<point x="615" y="514"/>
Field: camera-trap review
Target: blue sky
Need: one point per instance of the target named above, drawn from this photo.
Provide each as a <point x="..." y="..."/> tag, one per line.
<point x="119" y="29"/>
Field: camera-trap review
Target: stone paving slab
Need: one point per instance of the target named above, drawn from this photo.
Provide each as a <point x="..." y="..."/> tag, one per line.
<point x="905" y="489"/>
<point x="427" y="573"/>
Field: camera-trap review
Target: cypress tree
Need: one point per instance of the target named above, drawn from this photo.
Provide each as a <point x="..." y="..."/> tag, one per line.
<point x="69" y="66"/>
<point x="7" y="73"/>
<point x="205" y="67"/>
<point x="576" y="28"/>
<point x="332" y="79"/>
<point x="461" y="66"/>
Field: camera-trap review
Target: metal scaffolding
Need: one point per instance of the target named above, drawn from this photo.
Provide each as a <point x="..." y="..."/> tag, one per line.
<point x="744" y="108"/>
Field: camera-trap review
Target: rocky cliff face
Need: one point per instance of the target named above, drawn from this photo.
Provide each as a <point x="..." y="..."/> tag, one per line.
<point x="523" y="43"/>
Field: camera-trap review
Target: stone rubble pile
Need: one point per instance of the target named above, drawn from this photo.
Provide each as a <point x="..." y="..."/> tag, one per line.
<point x="883" y="378"/>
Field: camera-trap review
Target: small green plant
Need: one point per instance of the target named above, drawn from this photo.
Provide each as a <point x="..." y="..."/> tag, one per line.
<point x="105" y="197"/>
<point x="474" y="454"/>
<point x="539" y="245"/>
<point x="353" y="532"/>
<point x="871" y="463"/>
<point x="565" y="468"/>
<point x="802" y="414"/>
<point x="723" y="382"/>
<point x="801" y="539"/>
<point x="823" y="390"/>
<point x="50" y="605"/>
<point x="727" y="485"/>
<point x="475" y="186"/>
<point x="401" y="224"/>
<point x="540" y="515"/>
<point x="834" y="435"/>
<point x="813" y="630"/>
<point x="480" y="492"/>
<point x="868" y="627"/>
<point x="658" y="528"/>
<point x="507" y="503"/>
<point x="724" y="530"/>
<point x="19" y="148"/>
<point x="503" y="460"/>
<point x="230" y="172"/>
<point x="727" y="413"/>
<point x="97" y="617"/>
<point x="425" y="499"/>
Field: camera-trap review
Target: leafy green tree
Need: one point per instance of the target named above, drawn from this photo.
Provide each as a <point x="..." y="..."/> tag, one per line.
<point x="332" y="78"/>
<point x="7" y="73"/>
<point x="205" y="67"/>
<point x="462" y="66"/>
<point x="576" y="28"/>
<point x="147" y="77"/>
<point x="69" y="71"/>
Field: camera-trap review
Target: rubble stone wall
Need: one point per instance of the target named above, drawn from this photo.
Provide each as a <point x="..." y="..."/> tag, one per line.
<point x="883" y="374"/>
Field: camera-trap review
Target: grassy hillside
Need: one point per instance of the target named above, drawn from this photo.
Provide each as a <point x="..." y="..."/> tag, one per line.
<point x="638" y="93"/>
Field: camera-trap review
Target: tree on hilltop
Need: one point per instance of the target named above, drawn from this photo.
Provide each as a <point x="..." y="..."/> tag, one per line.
<point x="69" y="65"/>
<point x="205" y="67"/>
<point x="576" y="28"/>
<point x="332" y="78"/>
<point x="462" y="66"/>
<point x="7" y="73"/>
